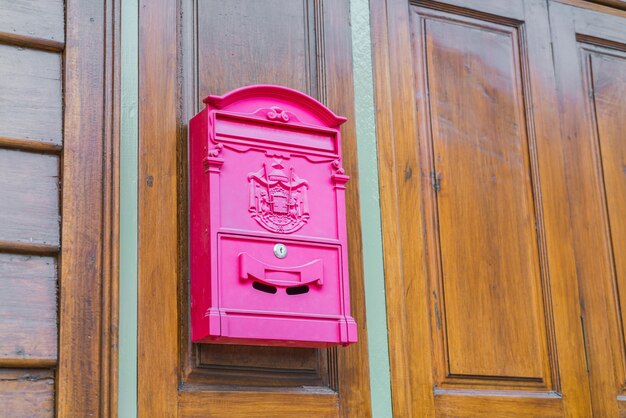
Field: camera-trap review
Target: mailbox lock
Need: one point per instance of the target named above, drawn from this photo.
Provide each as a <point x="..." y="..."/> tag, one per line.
<point x="280" y="250"/>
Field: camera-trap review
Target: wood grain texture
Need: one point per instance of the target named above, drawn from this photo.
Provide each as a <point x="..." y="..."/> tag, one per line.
<point x="475" y="404"/>
<point x="33" y="19"/>
<point x="266" y="39"/>
<point x="85" y="374"/>
<point x="491" y="305"/>
<point x="158" y="263"/>
<point x="28" y="145"/>
<point x="411" y="375"/>
<point x="591" y="124"/>
<point x="262" y="357"/>
<point x="353" y="371"/>
<point x="30" y="198"/>
<point x="414" y="310"/>
<point x="26" y="393"/>
<point x="269" y="42"/>
<point x="312" y="48"/>
<point x="28" y="329"/>
<point x="30" y="90"/>
<point x="267" y="405"/>
<point x="608" y="70"/>
<point x="619" y="4"/>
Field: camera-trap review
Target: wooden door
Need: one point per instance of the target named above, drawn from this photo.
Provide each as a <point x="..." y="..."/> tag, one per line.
<point x="590" y="61"/>
<point x="57" y="211"/>
<point x="484" y="283"/>
<point x="214" y="47"/>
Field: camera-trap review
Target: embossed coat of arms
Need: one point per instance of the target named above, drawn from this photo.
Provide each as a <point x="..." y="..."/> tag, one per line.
<point x="278" y="198"/>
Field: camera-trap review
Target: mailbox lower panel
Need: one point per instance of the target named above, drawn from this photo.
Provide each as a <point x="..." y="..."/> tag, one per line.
<point x="259" y="298"/>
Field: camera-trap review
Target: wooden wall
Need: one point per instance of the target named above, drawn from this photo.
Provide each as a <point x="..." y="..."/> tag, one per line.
<point x="31" y="138"/>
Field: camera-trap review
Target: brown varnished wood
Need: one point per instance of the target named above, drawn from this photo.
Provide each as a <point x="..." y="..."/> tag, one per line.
<point x="85" y="374"/>
<point x="30" y="90"/>
<point x="28" y="330"/>
<point x="489" y="291"/>
<point x="27" y="363"/>
<point x="40" y="19"/>
<point x="13" y="247"/>
<point x="26" y="393"/>
<point x="251" y="356"/>
<point x="254" y="403"/>
<point x="158" y="255"/>
<point x="411" y="375"/>
<point x="479" y="404"/>
<point x="29" y="145"/>
<point x="111" y="209"/>
<point x="608" y="70"/>
<point x="352" y="363"/>
<point x="238" y="32"/>
<point x="571" y="380"/>
<point x="30" y="203"/>
<point x="590" y="65"/>
<point x="406" y="185"/>
<point x="301" y="45"/>
<point x="28" y="42"/>
<point x="219" y="365"/>
<point x="619" y="4"/>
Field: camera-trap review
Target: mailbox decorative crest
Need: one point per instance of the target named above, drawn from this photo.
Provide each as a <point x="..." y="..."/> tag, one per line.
<point x="278" y="199"/>
<point x="267" y="221"/>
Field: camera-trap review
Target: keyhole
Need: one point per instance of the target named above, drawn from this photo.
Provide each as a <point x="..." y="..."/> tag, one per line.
<point x="280" y="250"/>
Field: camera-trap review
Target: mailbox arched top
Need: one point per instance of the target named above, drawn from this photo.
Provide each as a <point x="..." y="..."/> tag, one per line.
<point x="251" y="98"/>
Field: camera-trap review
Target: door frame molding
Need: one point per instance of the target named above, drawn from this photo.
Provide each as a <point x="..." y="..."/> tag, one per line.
<point x="86" y="377"/>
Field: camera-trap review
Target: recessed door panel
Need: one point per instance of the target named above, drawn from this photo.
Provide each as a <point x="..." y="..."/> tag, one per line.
<point x="590" y="67"/>
<point x="608" y="80"/>
<point x="485" y="206"/>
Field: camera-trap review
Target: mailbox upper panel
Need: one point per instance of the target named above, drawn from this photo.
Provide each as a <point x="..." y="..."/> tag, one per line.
<point x="268" y="243"/>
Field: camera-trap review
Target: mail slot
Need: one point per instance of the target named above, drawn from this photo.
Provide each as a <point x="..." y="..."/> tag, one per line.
<point x="267" y="221"/>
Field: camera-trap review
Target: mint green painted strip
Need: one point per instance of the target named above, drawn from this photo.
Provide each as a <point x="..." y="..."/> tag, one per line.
<point x="127" y="388"/>
<point x="380" y="381"/>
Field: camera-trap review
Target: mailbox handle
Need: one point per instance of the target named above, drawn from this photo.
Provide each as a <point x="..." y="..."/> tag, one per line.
<point x="251" y="268"/>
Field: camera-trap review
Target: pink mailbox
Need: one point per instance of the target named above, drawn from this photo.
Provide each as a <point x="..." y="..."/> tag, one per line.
<point x="268" y="244"/>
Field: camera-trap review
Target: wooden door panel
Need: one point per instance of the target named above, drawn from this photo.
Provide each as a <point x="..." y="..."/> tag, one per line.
<point x="590" y="63"/>
<point x="473" y="180"/>
<point x="492" y="318"/>
<point x="225" y="45"/>
<point x="607" y="71"/>
<point x="270" y="42"/>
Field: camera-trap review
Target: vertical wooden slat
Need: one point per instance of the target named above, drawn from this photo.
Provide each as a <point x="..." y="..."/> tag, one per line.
<point x="354" y="397"/>
<point x="158" y="229"/>
<point x="87" y="263"/>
